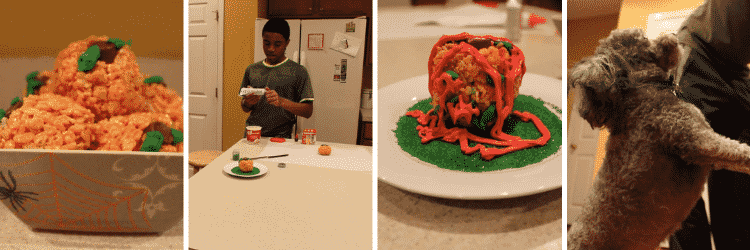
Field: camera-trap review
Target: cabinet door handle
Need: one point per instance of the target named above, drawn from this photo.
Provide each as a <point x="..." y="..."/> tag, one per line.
<point x="217" y="14"/>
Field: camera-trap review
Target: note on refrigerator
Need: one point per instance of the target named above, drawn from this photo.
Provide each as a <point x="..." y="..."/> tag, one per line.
<point x="666" y="22"/>
<point x="346" y="44"/>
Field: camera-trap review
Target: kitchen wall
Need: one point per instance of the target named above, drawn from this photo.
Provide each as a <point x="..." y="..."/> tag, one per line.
<point x="30" y="30"/>
<point x="239" y="35"/>
<point x="34" y="34"/>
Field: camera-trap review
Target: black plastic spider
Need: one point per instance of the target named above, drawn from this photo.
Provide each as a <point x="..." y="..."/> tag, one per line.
<point x="10" y="192"/>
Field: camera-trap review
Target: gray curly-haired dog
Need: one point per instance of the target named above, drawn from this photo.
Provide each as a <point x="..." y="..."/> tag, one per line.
<point x="660" y="149"/>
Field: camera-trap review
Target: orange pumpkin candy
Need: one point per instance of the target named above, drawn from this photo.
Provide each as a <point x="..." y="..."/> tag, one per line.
<point x="246" y="165"/>
<point x="324" y="149"/>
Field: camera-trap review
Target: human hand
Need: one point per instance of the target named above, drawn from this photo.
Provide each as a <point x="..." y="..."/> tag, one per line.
<point x="250" y="100"/>
<point x="273" y="98"/>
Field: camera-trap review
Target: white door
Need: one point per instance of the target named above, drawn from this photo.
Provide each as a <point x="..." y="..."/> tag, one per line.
<point x="205" y="75"/>
<point x="582" y="143"/>
<point x="336" y="106"/>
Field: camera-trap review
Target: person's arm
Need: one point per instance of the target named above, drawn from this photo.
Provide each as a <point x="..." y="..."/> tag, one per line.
<point x="304" y="109"/>
<point x="248" y="102"/>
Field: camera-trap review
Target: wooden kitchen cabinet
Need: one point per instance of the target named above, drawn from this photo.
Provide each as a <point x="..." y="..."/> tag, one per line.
<point x="365" y="133"/>
<point x="317" y="8"/>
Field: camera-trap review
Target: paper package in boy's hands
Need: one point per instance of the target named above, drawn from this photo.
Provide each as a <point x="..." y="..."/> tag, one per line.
<point x="252" y="91"/>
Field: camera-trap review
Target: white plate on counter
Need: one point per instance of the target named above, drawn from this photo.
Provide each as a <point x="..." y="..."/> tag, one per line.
<point x="228" y="169"/>
<point x="404" y="171"/>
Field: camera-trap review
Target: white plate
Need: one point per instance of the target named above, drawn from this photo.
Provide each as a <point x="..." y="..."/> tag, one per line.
<point x="404" y="171"/>
<point x="228" y="169"/>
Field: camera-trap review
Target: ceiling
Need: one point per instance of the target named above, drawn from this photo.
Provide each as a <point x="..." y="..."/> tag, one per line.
<point x="578" y="9"/>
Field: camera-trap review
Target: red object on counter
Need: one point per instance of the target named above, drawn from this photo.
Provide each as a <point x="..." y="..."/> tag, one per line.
<point x="277" y="139"/>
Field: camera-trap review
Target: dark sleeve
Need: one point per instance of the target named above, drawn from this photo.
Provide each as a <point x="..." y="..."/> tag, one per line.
<point x="723" y="26"/>
<point x="712" y="71"/>
<point x="306" y="89"/>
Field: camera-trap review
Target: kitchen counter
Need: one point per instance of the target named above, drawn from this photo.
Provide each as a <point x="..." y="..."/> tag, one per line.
<point x="14" y="234"/>
<point x="315" y="202"/>
<point x="408" y="220"/>
<point x="412" y="221"/>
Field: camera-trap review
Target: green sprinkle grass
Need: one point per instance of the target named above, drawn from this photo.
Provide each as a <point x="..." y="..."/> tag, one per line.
<point x="236" y="170"/>
<point x="449" y="156"/>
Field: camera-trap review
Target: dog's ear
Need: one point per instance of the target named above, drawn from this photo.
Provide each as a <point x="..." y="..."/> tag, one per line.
<point x="667" y="51"/>
<point x="594" y="72"/>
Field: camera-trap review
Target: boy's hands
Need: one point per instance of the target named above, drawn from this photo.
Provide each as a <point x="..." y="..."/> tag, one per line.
<point x="250" y="100"/>
<point x="273" y="98"/>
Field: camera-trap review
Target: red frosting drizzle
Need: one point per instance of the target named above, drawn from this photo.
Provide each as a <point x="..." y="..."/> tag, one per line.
<point x="432" y="126"/>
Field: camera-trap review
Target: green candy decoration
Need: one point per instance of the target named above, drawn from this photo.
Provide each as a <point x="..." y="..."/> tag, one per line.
<point x="454" y="75"/>
<point x="15" y="100"/>
<point x="119" y="42"/>
<point x="88" y="59"/>
<point x="508" y="46"/>
<point x="454" y="99"/>
<point x="2" y="113"/>
<point x="178" y="136"/>
<point x="487" y="116"/>
<point x="32" y="82"/>
<point x="154" y="79"/>
<point x="153" y="142"/>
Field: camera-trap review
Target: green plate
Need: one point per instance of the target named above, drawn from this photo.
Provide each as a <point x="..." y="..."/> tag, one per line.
<point x="236" y="170"/>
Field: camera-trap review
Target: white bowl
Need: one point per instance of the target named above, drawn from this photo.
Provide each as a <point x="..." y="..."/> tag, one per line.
<point x="93" y="191"/>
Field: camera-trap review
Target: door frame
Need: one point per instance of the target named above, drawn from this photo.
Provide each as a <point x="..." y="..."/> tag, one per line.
<point x="220" y="75"/>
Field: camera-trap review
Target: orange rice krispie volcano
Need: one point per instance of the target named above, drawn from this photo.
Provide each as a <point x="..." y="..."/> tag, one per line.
<point x="474" y="81"/>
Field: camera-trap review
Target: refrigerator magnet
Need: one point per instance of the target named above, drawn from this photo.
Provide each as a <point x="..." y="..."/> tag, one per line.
<point x="350" y="27"/>
<point x="315" y="41"/>
<point x="336" y="72"/>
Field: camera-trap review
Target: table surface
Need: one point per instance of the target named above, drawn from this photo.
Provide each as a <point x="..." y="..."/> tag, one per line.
<point x="315" y="202"/>
<point x="14" y="234"/>
<point x="412" y="221"/>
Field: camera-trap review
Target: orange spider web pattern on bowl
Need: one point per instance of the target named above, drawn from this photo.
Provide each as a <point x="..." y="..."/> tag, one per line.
<point x="69" y="201"/>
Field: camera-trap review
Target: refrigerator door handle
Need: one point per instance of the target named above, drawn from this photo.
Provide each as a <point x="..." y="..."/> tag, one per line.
<point x="295" y="56"/>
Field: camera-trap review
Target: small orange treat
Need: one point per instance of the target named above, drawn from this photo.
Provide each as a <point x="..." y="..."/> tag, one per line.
<point x="324" y="149"/>
<point x="246" y="165"/>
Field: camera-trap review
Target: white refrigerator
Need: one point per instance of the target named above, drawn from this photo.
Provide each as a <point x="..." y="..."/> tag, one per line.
<point x="333" y="51"/>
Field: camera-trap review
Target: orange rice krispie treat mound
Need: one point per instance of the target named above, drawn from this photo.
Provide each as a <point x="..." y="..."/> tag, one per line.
<point x="110" y="88"/>
<point x="48" y="121"/>
<point x="165" y="101"/>
<point x="125" y="133"/>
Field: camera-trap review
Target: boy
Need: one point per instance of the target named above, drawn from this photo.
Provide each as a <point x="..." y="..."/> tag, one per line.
<point x="288" y="89"/>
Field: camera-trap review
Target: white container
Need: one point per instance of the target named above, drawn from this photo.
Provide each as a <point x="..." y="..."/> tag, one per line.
<point x="513" y="27"/>
<point x="253" y="134"/>
<point x="366" y="99"/>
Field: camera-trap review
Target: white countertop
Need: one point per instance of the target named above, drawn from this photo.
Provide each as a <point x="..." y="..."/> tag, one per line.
<point x="315" y="202"/>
